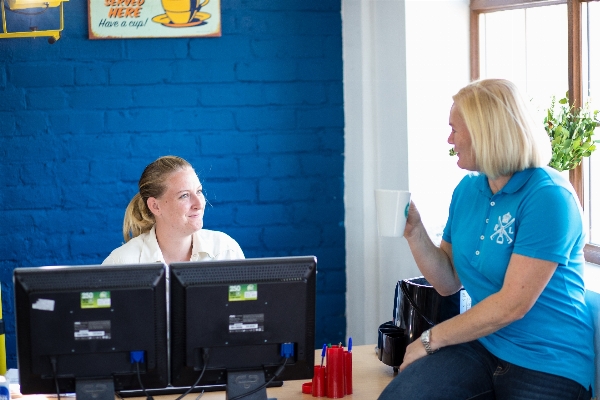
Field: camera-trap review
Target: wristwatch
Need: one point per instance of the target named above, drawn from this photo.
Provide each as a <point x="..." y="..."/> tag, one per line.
<point x="425" y="338"/>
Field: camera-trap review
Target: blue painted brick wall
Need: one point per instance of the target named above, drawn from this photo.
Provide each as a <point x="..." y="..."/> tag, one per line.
<point x="258" y="112"/>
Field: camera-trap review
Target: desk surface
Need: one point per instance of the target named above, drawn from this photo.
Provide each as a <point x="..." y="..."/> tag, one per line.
<point x="369" y="377"/>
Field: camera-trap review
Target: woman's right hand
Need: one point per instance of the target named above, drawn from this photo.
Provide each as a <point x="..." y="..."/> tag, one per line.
<point x="412" y="221"/>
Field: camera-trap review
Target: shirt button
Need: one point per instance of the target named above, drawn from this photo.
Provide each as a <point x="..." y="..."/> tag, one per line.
<point x="481" y="237"/>
<point x="477" y="253"/>
<point x="487" y="220"/>
<point x="493" y="203"/>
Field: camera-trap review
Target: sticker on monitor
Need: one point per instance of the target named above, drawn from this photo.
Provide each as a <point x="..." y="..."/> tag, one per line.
<point x="95" y="299"/>
<point x="43" y="304"/>
<point x="92" y="330"/>
<point x="243" y="292"/>
<point x="247" y="323"/>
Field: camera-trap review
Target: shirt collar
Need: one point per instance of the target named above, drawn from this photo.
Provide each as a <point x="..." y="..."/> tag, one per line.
<point x="514" y="184"/>
<point x="200" y="246"/>
<point x="518" y="180"/>
<point x="151" y="250"/>
<point x="482" y="184"/>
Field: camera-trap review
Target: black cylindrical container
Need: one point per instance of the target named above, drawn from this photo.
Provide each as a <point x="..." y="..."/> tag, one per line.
<point x="391" y="344"/>
<point x="417" y="307"/>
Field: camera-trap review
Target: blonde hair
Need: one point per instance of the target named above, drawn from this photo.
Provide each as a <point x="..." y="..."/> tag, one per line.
<point x="138" y="217"/>
<point x="504" y="135"/>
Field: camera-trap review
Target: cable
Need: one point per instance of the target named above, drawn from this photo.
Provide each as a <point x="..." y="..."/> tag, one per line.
<point x="137" y="367"/>
<point x="55" y="374"/>
<point x="205" y="360"/>
<point x="264" y="385"/>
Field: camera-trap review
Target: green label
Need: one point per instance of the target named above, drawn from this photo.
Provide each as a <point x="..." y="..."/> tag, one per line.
<point x="243" y="292"/>
<point x="95" y="299"/>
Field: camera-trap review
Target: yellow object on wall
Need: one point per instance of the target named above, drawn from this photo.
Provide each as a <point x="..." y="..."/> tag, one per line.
<point x="22" y="4"/>
<point x="13" y="5"/>
<point x="2" y="343"/>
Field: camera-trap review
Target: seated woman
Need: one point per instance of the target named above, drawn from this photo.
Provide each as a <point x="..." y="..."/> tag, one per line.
<point x="514" y="239"/>
<point x="163" y="222"/>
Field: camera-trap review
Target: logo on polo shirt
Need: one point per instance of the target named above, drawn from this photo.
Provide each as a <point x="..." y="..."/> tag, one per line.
<point x="503" y="229"/>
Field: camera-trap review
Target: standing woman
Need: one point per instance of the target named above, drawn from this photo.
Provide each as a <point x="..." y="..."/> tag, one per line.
<point x="163" y="222"/>
<point x="514" y="239"/>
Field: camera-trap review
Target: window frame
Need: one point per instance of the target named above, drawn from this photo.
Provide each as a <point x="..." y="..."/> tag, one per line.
<point x="477" y="7"/>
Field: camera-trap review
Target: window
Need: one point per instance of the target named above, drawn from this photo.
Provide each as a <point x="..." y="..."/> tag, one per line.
<point x="514" y="45"/>
<point x="547" y="47"/>
<point x="591" y="93"/>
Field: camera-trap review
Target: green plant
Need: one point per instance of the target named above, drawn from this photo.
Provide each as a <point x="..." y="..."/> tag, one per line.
<point x="570" y="130"/>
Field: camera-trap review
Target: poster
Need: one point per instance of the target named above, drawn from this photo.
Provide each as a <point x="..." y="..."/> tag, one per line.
<point x="122" y="19"/>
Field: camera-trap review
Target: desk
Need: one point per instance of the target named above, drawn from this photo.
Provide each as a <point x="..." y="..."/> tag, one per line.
<point x="369" y="377"/>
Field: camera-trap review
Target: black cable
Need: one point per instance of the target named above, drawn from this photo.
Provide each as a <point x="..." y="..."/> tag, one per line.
<point x="264" y="385"/>
<point x="205" y="360"/>
<point x="137" y="367"/>
<point x="55" y="375"/>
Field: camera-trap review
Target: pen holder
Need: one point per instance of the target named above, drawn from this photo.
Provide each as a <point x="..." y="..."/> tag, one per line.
<point x="347" y="372"/>
<point x="335" y="372"/>
<point x="319" y="382"/>
<point x="334" y="380"/>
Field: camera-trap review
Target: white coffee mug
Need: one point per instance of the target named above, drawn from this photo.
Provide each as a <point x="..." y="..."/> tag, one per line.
<point x="391" y="207"/>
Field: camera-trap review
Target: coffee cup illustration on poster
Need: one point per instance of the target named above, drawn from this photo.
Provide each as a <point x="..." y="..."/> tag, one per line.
<point x="122" y="19"/>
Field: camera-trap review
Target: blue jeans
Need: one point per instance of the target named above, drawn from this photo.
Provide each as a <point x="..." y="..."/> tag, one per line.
<point x="469" y="372"/>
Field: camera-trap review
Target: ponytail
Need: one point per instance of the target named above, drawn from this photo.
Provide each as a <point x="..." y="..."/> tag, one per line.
<point x="138" y="218"/>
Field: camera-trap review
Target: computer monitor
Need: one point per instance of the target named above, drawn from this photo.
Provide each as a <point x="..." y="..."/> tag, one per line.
<point x="91" y="330"/>
<point x="236" y="322"/>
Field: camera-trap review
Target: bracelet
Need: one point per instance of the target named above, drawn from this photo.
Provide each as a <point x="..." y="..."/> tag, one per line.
<point x="425" y="339"/>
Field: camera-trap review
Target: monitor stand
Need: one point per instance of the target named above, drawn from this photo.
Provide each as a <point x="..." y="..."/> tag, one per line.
<point x="240" y="382"/>
<point x="95" y="389"/>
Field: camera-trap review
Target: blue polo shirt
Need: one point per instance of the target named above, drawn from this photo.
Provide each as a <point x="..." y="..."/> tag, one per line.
<point x="536" y="214"/>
